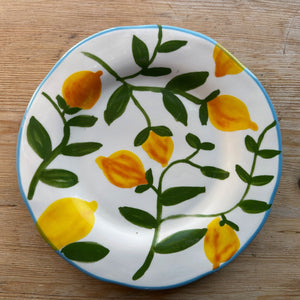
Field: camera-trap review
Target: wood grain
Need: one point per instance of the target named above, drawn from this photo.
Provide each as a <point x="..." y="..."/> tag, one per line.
<point x="264" y="35"/>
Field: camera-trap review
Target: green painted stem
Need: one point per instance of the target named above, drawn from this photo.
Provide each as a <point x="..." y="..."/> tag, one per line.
<point x="220" y="213"/>
<point x="159" y="38"/>
<point x="143" y="88"/>
<point x="55" y="152"/>
<point x="184" y="94"/>
<point x="260" y="139"/>
<point x="139" y="106"/>
<point x="155" y="89"/>
<point x="62" y="115"/>
<point x="184" y="160"/>
<point x="141" y="271"/>
<point x="132" y="75"/>
<point x="159" y="207"/>
<point x="104" y="65"/>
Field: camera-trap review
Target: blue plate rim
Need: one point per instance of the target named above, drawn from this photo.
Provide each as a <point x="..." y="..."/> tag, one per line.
<point x="141" y="27"/>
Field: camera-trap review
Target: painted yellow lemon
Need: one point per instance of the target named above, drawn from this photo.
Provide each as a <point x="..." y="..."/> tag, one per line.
<point x="66" y="221"/>
<point x="159" y="148"/>
<point x="82" y="89"/>
<point x="123" y="168"/>
<point x="228" y="113"/>
<point x="220" y="243"/>
<point x="225" y="64"/>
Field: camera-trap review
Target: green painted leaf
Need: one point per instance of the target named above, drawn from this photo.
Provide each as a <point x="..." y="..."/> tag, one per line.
<point x="59" y="178"/>
<point x="254" y="206"/>
<point x="212" y="95"/>
<point x="142" y="136"/>
<point x="214" y="172"/>
<point x="83" y="121"/>
<point x="193" y="141"/>
<point x="229" y="223"/>
<point x="85" y="251"/>
<point x="80" y="149"/>
<point x="72" y="110"/>
<point x="261" y="180"/>
<point x="138" y="217"/>
<point x="187" y="81"/>
<point x="175" y="107"/>
<point x="170" y="46"/>
<point x="250" y="143"/>
<point x="149" y="177"/>
<point x="180" y="241"/>
<point x="243" y="174"/>
<point x="61" y="102"/>
<point x="155" y="72"/>
<point x="268" y="153"/>
<point x="162" y="130"/>
<point x="233" y="225"/>
<point x="142" y="188"/>
<point x="117" y="104"/>
<point x="207" y="146"/>
<point x="203" y="113"/>
<point x="38" y="138"/>
<point x="175" y="195"/>
<point x="140" y="52"/>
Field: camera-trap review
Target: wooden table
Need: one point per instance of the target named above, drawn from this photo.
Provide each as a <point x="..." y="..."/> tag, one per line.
<point x="264" y="35"/>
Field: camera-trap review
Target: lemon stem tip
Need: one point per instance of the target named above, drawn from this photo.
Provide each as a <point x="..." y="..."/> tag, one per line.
<point x="93" y="205"/>
<point x="253" y="126"/>
<point x="216" y="265"/>
<point x="99" y="160"/>
<point x="99" y="73"/>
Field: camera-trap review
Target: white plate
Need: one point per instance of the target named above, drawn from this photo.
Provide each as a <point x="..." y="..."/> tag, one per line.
<point x="179" y="117"/>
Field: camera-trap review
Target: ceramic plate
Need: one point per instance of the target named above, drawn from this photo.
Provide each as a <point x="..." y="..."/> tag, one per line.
<point x="149" y="156"/>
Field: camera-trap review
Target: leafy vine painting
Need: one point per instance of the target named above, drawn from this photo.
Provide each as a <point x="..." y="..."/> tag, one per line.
<point x="149" y="156"/>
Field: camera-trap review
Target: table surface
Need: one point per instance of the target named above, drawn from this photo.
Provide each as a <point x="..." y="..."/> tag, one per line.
<point x="264" y="35"/>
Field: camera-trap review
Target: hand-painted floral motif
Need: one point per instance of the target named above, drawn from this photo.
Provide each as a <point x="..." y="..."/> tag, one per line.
<point x="68" y="220"/>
